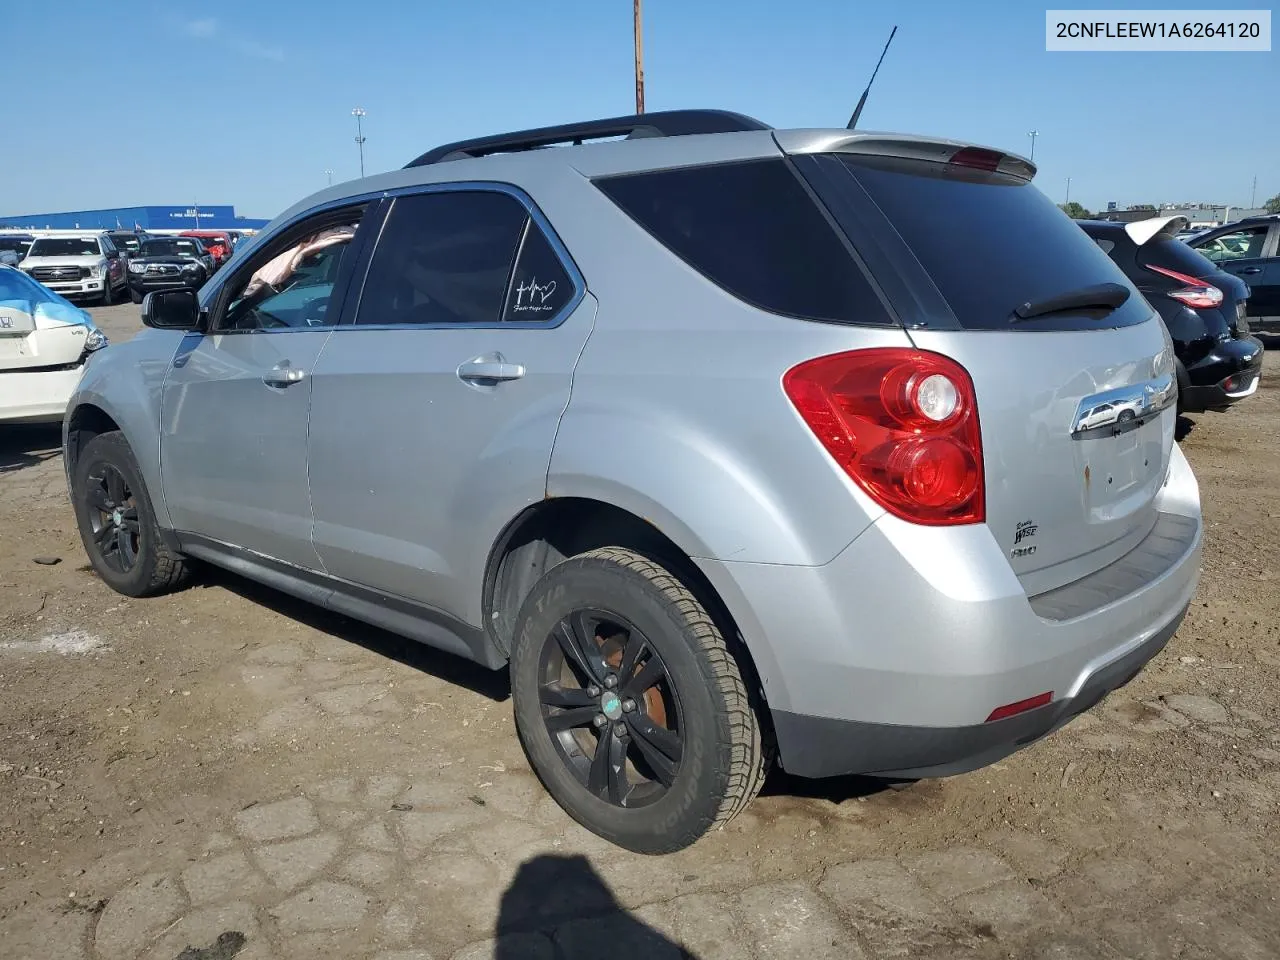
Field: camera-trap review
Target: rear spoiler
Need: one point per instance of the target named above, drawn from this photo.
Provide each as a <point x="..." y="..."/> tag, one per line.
<point x="1144" y="231"/>
<point x="906" y="147"/>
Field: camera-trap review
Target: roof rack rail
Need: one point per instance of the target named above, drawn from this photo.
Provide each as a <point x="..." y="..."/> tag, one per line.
<point x="665" y="123"/>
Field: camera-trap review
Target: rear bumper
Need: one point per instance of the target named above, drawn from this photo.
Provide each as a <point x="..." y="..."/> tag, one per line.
<point x="36" y="396"/>
<point x="1226" y="375"/>
<point x="822" y="747"/>
<point x="890" y="658"/>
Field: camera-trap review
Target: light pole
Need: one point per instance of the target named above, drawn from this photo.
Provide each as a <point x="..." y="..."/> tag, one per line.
<point x="1068" y="200"/>
<point x="639" y="42"/>
<point x="359" y="114"/>
<point x="329" y="173"/>
<point x="1033" y="134"/>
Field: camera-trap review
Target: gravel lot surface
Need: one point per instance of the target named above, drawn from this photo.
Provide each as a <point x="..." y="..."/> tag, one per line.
<point x="225" y="772"/>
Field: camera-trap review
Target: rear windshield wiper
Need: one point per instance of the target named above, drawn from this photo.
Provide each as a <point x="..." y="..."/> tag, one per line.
<point x="1102" y="296"/>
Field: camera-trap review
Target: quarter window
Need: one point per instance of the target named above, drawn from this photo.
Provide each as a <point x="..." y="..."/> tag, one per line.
<point x="751" y="229"/>
<point x="539" y="286"/>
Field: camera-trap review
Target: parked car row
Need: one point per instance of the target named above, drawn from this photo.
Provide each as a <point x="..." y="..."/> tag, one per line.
<point x="1203" y="308"/>
<point x="99" y="264"/>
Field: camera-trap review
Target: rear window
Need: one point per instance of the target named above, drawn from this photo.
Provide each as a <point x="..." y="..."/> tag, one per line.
<point x="1175" y="255"/>
<point x="990" y="242"/>
<point x="753" y="230"/>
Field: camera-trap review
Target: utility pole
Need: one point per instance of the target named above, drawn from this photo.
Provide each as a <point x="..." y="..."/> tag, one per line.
<point x="1033" y="134"/>
<point x="195" y="209"/>
<point x="639" y="43"/>
<point x="1068" y="200"/>
<point x="359" y="114"/>
<point x="1253" y="194"/>
<point x="329" y="173"/>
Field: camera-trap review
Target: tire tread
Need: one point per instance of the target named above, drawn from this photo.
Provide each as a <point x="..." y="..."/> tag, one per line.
<point x="750" y="750"/>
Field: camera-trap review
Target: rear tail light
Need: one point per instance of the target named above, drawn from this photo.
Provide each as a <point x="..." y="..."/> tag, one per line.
<point x="903" y="424"/>
<point x="1196" y="293"/>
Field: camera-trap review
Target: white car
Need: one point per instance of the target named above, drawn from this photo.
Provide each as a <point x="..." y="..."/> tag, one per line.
<point x="88" y="266"/>
<point x="44" y="343"/>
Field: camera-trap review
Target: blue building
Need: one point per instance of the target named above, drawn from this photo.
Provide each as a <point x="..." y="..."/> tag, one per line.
<point x="212" y="217"/>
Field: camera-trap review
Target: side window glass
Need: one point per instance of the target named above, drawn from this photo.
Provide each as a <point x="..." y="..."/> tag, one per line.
<point x="443" y="258"/>
<point x="540" y="286"/>
<point x="290" y="287"/>
<point x="1238" y="245"/>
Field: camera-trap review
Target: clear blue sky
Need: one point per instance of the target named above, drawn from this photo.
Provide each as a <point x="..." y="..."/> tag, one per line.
<point x="142" y="102"/>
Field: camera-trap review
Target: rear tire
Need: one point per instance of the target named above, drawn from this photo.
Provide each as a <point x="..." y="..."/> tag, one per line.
<point x="699" y="708"/>
<point x="117" y="522"/>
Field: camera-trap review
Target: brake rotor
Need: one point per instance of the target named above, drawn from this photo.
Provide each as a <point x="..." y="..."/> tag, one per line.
<point x="654" y="706"/>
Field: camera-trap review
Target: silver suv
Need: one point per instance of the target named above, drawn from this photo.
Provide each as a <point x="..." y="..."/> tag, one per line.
<point x="737" y="444"/>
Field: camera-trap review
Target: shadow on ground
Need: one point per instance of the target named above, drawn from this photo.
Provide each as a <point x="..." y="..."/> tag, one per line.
<point x="558" y="906"/>
<point x="493" y="684"/>
<point x="25" y="445"/>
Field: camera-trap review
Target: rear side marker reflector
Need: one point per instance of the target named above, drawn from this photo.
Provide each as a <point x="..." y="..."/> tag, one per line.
<point x="1021" y="706"/>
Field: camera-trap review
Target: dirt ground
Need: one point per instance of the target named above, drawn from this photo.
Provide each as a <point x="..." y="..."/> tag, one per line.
<point x="225" y="772"/>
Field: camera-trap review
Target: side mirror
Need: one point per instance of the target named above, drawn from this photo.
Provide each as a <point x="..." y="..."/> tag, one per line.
<point x="171" y="310"/>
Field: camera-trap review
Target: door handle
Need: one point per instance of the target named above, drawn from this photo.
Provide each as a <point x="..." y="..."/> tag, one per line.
<point x="1251" y="270"/>
<point x="490" y="369"/>
<point x="283" y="375"/>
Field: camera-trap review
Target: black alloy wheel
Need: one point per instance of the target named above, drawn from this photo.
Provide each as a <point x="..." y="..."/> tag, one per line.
<point x="635" y="712"/>
<point x="611" y="708"/>
<point x="113" y="518"/>
<point x="117" y="522"/>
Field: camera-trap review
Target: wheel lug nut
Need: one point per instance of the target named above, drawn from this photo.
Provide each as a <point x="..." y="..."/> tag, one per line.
<point x="593" y="691"/>
<point x="600" y="720"/>
<point x="628" y="706"/>
<point x="611" y="681"/>
<point x="619" y="730"/>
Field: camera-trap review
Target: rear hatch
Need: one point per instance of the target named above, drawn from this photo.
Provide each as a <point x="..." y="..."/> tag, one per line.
<point x="1074" y="392"/>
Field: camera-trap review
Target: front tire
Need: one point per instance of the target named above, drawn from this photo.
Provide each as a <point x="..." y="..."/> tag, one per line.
<point x="117" y="522"/>
<point x="107" y="297"/>
<point x="629" y="705"/>
<point x="134" y="295"/>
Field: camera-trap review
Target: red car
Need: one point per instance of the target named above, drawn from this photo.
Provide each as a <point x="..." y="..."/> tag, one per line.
<point x="216" y="242"/>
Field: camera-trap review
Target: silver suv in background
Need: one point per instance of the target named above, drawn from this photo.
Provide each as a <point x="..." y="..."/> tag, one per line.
<point x="88" y="265"/>
<point x="736" y="444"/>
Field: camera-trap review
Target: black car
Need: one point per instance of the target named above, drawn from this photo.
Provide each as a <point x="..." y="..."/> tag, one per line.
<point x="163" y="263"/>
<point x="127" y="242"/>
<point x="1203" y="308"/>
<point x="1250" y="250"/>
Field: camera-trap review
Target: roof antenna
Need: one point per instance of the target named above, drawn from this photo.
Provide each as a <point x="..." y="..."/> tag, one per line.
<point x="862" y="100"/>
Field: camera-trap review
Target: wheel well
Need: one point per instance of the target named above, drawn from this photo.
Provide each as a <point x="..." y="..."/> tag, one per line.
<point x="85" y="423"/>
<point x="552" y="531"/>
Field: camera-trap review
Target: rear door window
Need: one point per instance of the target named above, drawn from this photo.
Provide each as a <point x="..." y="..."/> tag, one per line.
<point x="752" y="229"/>
<point x="446" y="258"/>
<point x="989" y="242"/>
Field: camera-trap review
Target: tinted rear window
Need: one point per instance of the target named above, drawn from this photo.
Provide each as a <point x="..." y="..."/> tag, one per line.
<point x="753" y="230"/>
<point x="1175" y="255"/>
<point x="989" y="243"/>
